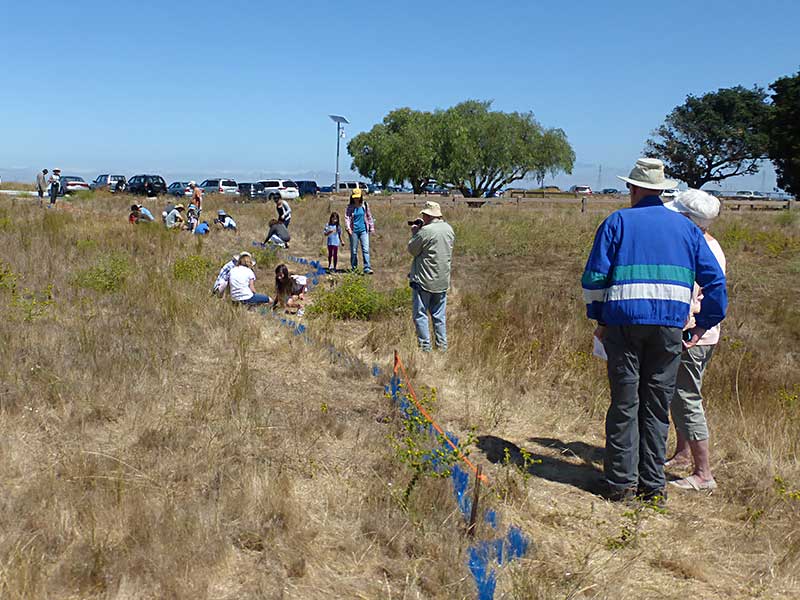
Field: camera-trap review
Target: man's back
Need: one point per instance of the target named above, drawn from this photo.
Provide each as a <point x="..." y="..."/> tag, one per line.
<point x="432" y="248"/>
<point x="643" y="266"/>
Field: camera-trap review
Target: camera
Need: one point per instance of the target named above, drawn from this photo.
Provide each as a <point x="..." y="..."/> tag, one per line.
<point x="417" y="222"/>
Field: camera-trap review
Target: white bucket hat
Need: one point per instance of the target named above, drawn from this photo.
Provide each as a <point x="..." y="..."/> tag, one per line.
<point x="701" y="207"/>
<point x="648" y="173"/>
<point x="432" y="209"/>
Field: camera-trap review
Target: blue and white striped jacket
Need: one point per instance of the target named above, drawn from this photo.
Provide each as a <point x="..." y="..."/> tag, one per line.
<point x="642" y="268"/>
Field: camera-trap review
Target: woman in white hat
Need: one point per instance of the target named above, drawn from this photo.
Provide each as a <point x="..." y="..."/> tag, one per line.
<point x="686" y="407"/>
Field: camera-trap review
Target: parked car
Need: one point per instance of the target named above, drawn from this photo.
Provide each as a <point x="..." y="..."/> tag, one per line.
<point x="139" y="184"/>
<point x="669" y="193"/>
<point x="179" y="188"/>
<point x="280" y="188"/>
<point x="220" y="186"/>
<point x="581" y="189"/>
<point x="747" y="195"/>
<point x="435" y="189"/>
<point x="253" y="191"/>
<point x="610" y="191"/>
<point x="108" y="182"/>
<point x="326" y="189"/>
<point x="307" y="188"/>
<point x="348" y="186"/>
<point x="715" y="193"/>
<point x="72" y="183"/>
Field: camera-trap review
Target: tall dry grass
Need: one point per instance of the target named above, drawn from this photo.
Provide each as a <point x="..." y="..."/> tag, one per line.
<point x="156" y="442"/>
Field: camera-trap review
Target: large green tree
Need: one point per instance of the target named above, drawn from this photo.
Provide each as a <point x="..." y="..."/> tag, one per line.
<point x="481" y="150"/>
<point x="401" y="148"/>
<point x="713" y="137"/>
<point x="468" y="146"/>
<point x="784" y="132"/>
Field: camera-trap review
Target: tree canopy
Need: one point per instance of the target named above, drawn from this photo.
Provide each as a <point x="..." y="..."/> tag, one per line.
<point x="713" y="137"/>
<point x="467" y="146"/>
<point x="784" y="132"/>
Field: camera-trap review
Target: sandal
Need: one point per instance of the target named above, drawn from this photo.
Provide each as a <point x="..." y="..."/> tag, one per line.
<point x="677" y="464"/>
<point x="694" y="483"/>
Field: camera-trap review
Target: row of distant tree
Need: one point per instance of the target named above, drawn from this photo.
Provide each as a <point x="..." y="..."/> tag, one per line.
<point x="706" y="139"/>
<point x="729" y="132"/>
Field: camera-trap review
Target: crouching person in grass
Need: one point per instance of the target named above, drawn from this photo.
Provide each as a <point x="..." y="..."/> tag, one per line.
<point x="174" y="218"/>
<point x="242" y="283"/>
<point x="431" y="245"/>
<point x="277" y="235"/>
<point x="224" y="276"/>
<point x="686" y="407"/>
<point x="145" y="216"/>
<point x="290" y="290"/>
<point x="638" y="285"/>
<point x="224" y="221"/>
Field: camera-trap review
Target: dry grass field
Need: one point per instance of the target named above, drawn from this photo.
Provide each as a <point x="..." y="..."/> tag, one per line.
<point x="156" y="442"/>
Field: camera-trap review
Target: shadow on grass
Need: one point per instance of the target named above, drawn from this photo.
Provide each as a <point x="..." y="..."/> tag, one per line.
<point x="588" y="453"/>
<point x="583" y="476"/>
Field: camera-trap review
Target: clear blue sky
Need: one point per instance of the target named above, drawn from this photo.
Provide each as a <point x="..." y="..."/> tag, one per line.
<point x="199" y="88"/>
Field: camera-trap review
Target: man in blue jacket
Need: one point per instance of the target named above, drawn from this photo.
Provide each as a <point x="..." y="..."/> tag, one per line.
<point x="638" y="287"/>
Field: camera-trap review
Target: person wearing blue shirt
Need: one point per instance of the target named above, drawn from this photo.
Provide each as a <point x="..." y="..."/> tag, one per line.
<point x="359" y="224"/>
<point x="638" y="286"/>
<point x="201" y="229"/>
<point x="144" y="213"/>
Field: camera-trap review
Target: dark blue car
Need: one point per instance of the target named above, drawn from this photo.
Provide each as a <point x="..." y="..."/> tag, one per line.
<point x="307" y="188"/>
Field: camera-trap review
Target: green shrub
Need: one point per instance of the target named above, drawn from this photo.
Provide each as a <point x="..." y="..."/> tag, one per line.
<point x="107" y="275"/>
<point x="193" y="268"/>
<point x="355" y="298"/>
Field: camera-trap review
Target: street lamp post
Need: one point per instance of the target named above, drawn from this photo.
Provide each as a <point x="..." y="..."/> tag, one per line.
<point x="339" y="120"/>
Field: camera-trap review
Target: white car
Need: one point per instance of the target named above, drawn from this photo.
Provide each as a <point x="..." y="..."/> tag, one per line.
<point x="669" y="193"/>
<point x="581" y="189"/>
<point x="280" y="188"/>
<point x="744" y="194"/>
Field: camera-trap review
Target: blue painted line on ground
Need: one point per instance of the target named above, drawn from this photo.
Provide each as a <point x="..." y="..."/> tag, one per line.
<point x="484" y="555"/>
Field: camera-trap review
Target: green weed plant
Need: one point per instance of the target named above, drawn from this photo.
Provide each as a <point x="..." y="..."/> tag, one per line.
<point x="193" y="268"/>
<point x="355" y="298"/>
<point x="423" y="450"/>
<point x="107" y="275"/>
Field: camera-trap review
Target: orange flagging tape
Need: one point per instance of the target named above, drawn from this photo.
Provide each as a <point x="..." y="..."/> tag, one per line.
<point x="398" y="366"/>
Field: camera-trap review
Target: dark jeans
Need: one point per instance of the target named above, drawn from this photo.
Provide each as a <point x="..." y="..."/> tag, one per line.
<point x="54" y="187"/>
<point x="257" y="299"/>
<point x="643" y="364"/>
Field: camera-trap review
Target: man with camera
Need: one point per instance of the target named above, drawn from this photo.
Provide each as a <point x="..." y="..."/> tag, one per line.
<point x="431" y="245"/>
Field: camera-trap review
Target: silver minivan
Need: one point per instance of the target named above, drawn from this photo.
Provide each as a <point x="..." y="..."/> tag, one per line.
<point x="220" y="186"/>
<point x="349" y="186"/>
